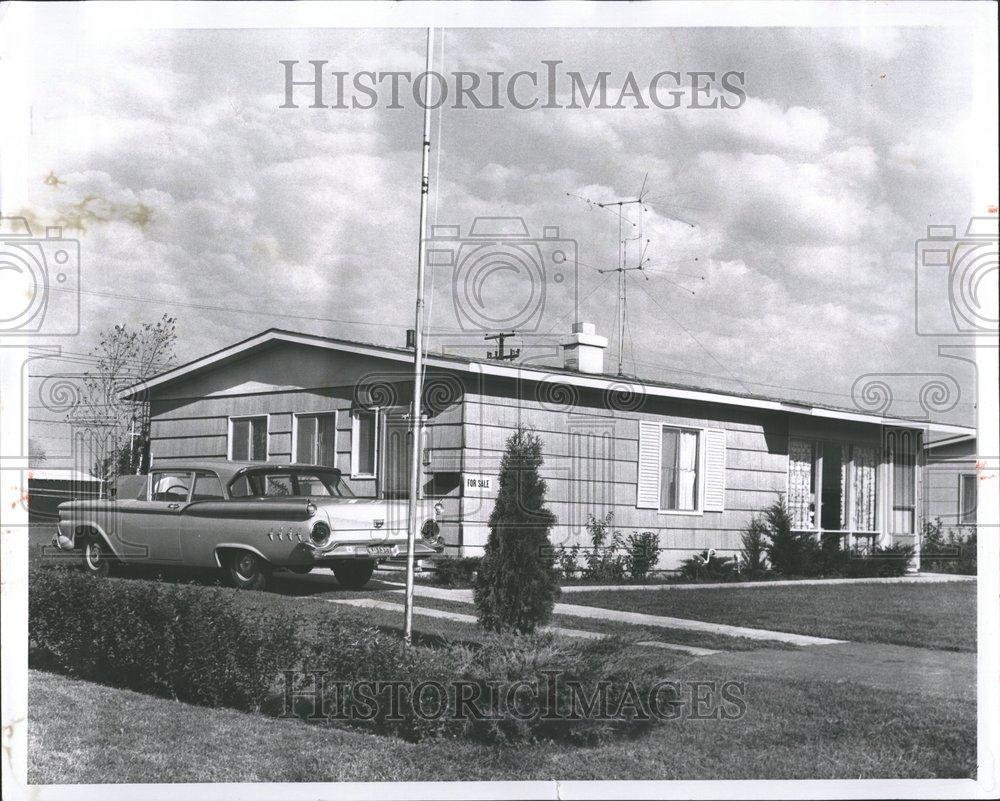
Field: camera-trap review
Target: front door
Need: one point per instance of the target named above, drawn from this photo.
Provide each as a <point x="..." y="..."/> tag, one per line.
<point x="153" y="523"/>
<point x="395" y="454"/>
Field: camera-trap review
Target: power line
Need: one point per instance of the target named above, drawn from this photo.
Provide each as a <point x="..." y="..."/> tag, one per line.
<point x="695" y="339"/>
<point x="208" y="307"/>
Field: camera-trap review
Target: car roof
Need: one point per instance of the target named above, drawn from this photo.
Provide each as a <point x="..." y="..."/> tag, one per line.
<point x="227" y="469"/>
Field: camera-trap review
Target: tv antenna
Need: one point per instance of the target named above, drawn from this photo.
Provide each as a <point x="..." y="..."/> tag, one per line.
<point x="617" y="207"/>
<point x="621" y="269"/>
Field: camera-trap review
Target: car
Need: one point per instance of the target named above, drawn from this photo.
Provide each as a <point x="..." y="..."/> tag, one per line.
<point x="245" y="519"/>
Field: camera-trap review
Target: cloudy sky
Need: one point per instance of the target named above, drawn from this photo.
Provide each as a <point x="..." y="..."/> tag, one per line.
<point x="781" y="234"/>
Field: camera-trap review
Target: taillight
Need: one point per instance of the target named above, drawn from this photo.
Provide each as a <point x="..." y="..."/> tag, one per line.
<point x="430" y="529"/>
<point x="320" y="533"/>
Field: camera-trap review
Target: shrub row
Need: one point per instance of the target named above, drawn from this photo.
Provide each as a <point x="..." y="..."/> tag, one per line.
<point x="202" y="645"/>
<point x="951" y="551"/>
<point x="770" y="546"/>
<point x="186" y="642"/>
<point x="611" y="558"/>
<point x="456" y="571"/>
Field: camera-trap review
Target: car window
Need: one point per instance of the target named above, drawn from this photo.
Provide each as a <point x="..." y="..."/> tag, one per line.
<point x="171" y="486"/>
<point x="241" y="488"/>
<point x="311" y="484"/>
<point x="207" y="487"/>
<point x="293" y="483"/>
<point x="278" y="484"/>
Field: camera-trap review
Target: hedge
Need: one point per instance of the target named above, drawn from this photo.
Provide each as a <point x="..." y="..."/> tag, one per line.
<point x="186" y="642"/>
<point x="201" y="645"/>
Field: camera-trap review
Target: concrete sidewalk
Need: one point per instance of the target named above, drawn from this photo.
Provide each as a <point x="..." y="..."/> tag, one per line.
<point x="920" y="578"/>
<point x="640" y="619"/>
<point x="458" y="617"/>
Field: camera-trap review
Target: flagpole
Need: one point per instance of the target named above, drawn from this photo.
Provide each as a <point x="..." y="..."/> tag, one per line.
<point x="418" y="356"/>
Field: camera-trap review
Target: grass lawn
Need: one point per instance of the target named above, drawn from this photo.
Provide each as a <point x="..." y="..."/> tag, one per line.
<point x="81" y="732"/>
<point x="941" y="616"/>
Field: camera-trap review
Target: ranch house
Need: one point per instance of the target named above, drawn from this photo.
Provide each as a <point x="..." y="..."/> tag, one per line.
<point x="691" y="464"/>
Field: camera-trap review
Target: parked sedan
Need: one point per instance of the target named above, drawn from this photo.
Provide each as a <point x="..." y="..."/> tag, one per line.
<point x="246" y="519"/>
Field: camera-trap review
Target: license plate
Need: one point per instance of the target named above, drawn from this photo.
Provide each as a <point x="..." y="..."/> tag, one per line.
<point x="382" y="550"/>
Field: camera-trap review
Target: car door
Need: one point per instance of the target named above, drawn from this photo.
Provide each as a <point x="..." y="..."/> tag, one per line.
<point x="154" y="521"/>
<point x="201" y="523"/>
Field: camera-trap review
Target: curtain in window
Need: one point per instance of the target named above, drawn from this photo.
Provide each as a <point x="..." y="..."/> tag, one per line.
<point x="863" y="487"/>
<point x="326" y="440"/>
<point x="305" y="440"/>
<point x="687" y="471"/>
<point x="258" y="428"/>
<point x="668" y="466"/>
<point x="679" y="465"/>
<point x="801" y="497"/>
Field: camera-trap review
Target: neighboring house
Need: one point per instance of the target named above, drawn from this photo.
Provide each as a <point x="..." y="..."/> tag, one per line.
<point x="47" y="488"/>
<point x="689" y="463"/>
<point x="952" y="480"/>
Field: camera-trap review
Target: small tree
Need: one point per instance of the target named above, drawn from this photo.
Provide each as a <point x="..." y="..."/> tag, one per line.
<point x="516" y="586"/>
<point x="754" y="542"/>
<point x="791" y="553"/>
<point x="119" y="429"/>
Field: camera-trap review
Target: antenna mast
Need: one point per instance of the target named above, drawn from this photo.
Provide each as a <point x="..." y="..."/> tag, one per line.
<point x="418" y="360"/>
<point x="621" y="269"/>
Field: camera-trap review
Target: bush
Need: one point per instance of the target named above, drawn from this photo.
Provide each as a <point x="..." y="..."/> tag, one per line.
<point x="951" y="552"/>
<point x="540" y="659"/>
<point x="708" y="566"/>
<point x="604" y="562"/>
<point x="887" y="562"/>
<point x="642" y="555"/>
<point x="186" y="642"/>
<point x="456" y="572"/>
<point x="754" y="541"/>
<point x="791" y="553"/>
<point x="517" y="585"/>
<point x="568" y="560"/>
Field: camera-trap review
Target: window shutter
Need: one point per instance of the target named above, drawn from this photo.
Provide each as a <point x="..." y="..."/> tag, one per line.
<point x="648" y="486"/>
<point x="715" y="469"/>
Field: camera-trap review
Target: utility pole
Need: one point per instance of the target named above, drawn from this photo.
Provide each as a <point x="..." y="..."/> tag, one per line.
<point x="418" y="358"/>
<point x="498" y="355"/>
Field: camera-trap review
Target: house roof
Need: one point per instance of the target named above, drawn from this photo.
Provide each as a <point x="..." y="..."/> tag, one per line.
<point x="953" y="439"/>
<point x="602" y="381"/>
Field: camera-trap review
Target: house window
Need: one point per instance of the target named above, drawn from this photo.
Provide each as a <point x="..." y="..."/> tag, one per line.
<point x="679" y="470"/>
<point x="316" y="439"/>
<point x="832" y="486"/>
<point x="903" y="452"/>
<point x="967" y="499"/>
<point x="248" y="439"/>
<point x="364" y="443"/>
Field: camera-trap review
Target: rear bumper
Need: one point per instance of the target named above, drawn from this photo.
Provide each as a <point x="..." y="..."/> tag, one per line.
<point x="422" y="549"/>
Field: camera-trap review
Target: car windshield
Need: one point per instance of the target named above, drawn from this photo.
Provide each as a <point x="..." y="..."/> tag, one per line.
<point x="265" y="483"/>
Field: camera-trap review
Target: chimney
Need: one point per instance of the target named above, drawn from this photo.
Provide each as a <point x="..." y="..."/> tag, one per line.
<point x="584" y="349"/>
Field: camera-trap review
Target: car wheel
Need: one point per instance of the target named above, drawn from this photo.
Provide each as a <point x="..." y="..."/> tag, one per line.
<point x="246" y="571"/>
<point x="353" y="575"/>
<point x="96" y="558"/>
